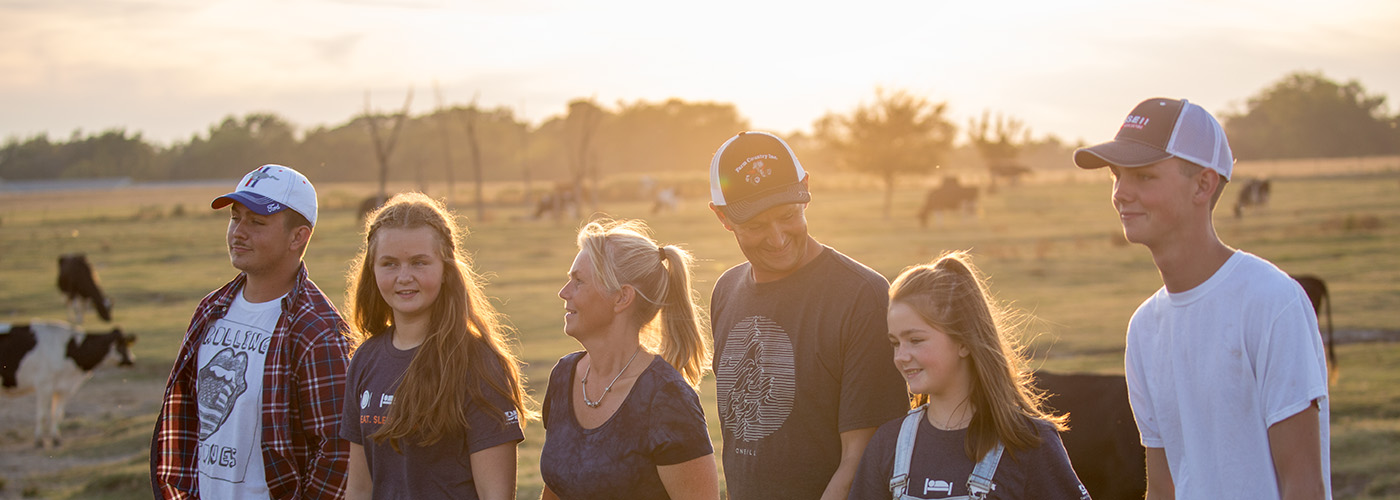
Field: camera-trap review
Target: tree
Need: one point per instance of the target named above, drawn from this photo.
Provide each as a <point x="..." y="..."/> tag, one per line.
<point x="1306" y="115"/>
<point x="384" y="147"/>
<point x="1000" y="142"/>
<point x="469" y="119"/>
<point x="898" y="134"/>
<point x="233" y="147"/>
<point x="581" y="125"/>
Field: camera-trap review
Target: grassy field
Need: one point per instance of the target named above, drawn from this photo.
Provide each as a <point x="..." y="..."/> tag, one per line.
<point x="1052" y="248"/>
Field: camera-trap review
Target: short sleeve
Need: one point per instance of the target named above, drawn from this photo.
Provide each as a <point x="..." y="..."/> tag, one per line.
<point x="872" y="479"/>
<point x="350" y="429"/>
<point x="1135" y="373"/>
<point x="558" y="379"/>
<point x="678" y="432"/>
<point x="1049" y="474"/>
<point x="872" y="391"/>
<point x="1291" y="372"/>
<point x="493" y="422"/>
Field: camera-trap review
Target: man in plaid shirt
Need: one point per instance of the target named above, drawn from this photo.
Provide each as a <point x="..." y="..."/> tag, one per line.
<point x="252" y="407"/>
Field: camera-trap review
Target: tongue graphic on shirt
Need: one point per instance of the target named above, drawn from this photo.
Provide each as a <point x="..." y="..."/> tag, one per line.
<point x="220" y="383"/>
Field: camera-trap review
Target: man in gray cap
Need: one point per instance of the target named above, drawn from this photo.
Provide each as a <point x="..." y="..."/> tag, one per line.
<point x="252" y="407"/>
<point x="803" y="369"/>
<point x="1224" y="363"/>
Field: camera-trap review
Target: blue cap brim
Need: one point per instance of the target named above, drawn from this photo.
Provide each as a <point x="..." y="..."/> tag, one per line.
<point x="259" y="204"/>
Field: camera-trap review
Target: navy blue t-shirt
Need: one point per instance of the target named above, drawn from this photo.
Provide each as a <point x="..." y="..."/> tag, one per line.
<point x="940" y="468"/>
<point x="660" y="423"/>
<point x="441" y="470"/>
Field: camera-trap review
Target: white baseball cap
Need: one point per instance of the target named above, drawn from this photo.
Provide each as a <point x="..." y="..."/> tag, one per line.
<point x="273" y="188"/>
<point x="1158" y="129"/>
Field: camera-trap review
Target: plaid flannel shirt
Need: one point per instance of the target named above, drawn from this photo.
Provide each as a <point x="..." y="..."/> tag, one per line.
<point x="303" y="385"/>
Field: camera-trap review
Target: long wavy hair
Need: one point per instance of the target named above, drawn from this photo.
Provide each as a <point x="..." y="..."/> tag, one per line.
<point x="466" y="340"/>
<point x="950" y="294"/>
<point x="623" y="253"/>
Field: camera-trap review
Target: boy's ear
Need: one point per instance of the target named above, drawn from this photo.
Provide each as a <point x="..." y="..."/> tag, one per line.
<point x="1207" y="181"/>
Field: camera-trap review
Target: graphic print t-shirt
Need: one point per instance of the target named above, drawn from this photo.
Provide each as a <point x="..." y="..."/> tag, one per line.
<point x="229" y="390"/>
<point x="798" y="361"/>
<point x="439" y="470"/>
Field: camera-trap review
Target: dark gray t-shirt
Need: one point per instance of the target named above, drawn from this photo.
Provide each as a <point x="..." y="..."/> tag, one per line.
<point x="660" y="423"/>
<point x="940" y="467"/>
<point x="442" y="470"/>
<point x="798" y="361"/>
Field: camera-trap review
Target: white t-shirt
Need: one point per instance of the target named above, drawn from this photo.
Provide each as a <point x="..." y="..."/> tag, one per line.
<point x="229" y="391"/>
<point x="1211" y="368"/>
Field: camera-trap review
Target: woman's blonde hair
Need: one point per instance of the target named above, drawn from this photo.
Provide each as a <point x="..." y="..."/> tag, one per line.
<point x="466" y="340"/>
<point x="623" y="253"/>
<point x="951" y="295"/>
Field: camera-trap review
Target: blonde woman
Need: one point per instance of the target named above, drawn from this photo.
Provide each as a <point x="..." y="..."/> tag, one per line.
<point x="433" y="405"/>
<point x="972" y="399"/>
<point x="622" y="417"/>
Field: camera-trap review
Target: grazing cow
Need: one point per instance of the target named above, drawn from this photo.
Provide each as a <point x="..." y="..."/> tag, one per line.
<point x="53" y="359"/>
<point x="948" y="197"/>
<point x="78" y="282"/>
<point x="1102" y="440"/>
<point x="565" y="200"/>
<point x="1317" y="294"/>
<point x="1254" y="192"/>
<point x="1012" y="172"/>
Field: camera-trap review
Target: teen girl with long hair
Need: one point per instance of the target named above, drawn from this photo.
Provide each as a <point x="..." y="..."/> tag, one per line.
<point x="434" y="404"/>
<point x="622" y="418"/>
<point x="977" y="429"/>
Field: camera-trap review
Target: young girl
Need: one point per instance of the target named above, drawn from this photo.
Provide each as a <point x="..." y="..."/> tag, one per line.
<point x="622" y="418"/>
<point x="972" y="398"/>
<point x="433" y="403"/>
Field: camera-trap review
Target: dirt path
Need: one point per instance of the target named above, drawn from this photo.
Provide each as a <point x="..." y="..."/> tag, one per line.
<point x="113" y="401"/>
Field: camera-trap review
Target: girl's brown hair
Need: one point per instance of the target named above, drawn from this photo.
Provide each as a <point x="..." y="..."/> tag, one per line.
<point x="623" y="253"/>
<point x="951" y="295"/>
<point x="466" y="339"/>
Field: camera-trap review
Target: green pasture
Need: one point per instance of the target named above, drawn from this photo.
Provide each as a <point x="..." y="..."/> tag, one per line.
<point x="1051" y="248"/>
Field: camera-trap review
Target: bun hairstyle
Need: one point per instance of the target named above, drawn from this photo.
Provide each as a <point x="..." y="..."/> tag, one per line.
<point x="624" y="253"/>
<point x="466" y="341"/>
<point x="950" y="294"/>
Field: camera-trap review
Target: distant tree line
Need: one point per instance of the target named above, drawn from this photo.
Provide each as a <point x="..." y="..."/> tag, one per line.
<point x="898" y="134"/>
<point x="642" y="137"/>
<point x="1307" y="115"/>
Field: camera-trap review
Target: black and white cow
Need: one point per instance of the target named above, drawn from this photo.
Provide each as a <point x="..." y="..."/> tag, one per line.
<point x="1102" y="440"/>
<point x="52" y="359"/>
<point x="78" y="282"/>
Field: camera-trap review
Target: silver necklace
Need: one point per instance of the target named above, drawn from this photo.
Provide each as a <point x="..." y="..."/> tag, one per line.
<point x="606" y="390"/>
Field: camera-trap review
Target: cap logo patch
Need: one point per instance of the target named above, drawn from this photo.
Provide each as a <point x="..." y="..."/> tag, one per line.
<point x="754" y="170"/>
<point x="259" y="175"/>
<point x="1135" y="121"/>
<point x="273" y="207"/>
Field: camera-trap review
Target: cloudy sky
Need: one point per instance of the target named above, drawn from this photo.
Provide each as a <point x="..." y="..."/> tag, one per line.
<point x="171" y="68"/>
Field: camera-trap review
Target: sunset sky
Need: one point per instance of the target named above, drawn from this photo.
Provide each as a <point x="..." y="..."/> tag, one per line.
<point x="172" y="68"/>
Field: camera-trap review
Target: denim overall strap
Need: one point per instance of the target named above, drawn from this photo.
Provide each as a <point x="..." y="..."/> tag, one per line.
<point x="904" y="451"/>
<point x="979" y="484"/>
